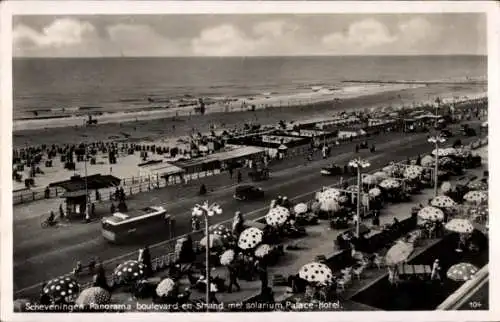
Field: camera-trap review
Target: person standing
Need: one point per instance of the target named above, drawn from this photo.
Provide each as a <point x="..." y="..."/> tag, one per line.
<point x="146" y="260"/>
<point x="262" y="272"/>
<point x="436" y="268"/>
<point x="233" y="278"/>
<point x="61" y="212"/>
<point x="239" y="177"/>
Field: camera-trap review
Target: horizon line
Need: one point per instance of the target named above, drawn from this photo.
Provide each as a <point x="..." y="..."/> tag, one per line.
<point x="253" y="56"/>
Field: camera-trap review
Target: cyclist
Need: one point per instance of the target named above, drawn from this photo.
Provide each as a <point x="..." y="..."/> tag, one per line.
<point x="51" y="221"/>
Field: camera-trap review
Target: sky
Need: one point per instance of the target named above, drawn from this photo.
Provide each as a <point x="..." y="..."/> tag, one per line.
<point x="249" y="35"/>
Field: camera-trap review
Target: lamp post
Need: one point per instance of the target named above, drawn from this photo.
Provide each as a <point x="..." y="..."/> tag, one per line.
<point x="359" y="164"/>
<point x="436" y="140"/>
<point x="207" y="210"/>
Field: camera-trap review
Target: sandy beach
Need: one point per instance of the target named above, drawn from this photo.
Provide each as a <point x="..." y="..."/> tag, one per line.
<point x="161" y="126"/>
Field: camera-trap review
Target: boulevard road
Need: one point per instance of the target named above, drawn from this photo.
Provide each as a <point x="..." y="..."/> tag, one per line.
<point x="41" y="254"/>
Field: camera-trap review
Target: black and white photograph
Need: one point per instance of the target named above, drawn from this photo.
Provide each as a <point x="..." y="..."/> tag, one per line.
<point x="239" y="162"/>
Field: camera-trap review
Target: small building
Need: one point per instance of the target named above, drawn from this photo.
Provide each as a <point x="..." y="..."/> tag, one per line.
<point x="77" y="187"/>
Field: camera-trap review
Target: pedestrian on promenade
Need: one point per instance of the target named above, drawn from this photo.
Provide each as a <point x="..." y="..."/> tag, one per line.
<point x="240" y="177"/>
<point x="230" y="172"/>
<point x="44" y="298"/>
<point x="146" y="260"/>
<point x="112" y="209"/>
<point x="61" y="212"/>
<point x="233" y="278"/>
<point x="262" y="272"/>
<point x="436" y="268"/>
<point x="238" y="223"/>
<point x="195" y="223"/>
<point x="92" y="209"/>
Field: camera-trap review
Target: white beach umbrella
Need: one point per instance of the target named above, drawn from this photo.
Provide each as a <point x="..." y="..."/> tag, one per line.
<point x="462" y="272"/>
<point x="381" y="175"/>
<point x="390" y="169"/>
<point x="250" y="238"/>
<point x="374" y="192"/>
<point x="330" y="193"/>
<point x="317" y="273"/>
<point x="476" y="197"/>
<point x="390" y="184"/>
<point x="441" y="152"/>
<point x="370" y="179"/>
<point x="446" y="187"/>
<point x="300" y="208"/>
<point x="227" y="257"/>
<point x="277" y="216"/>
<point x="478" y="185"/>
<point x="215" y="241"/>
<point x="166" y="287"/>
<point x="431" y="214"/>
<point x="262" y="250"/>
<point x="398" y="253"/>
<point x="427" y="161"/>
<point x="459" y="225"/>
<point x="443" y="202"/>
<point x="413" y="172"/>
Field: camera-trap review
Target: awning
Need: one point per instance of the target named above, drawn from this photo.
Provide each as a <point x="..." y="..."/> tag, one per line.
<point x="92" y="182"/>
<point x="73" y="194"/>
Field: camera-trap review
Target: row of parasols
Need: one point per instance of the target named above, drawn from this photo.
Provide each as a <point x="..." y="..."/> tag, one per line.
<point x="66" y="289"/>
<point x="320" y="274"/>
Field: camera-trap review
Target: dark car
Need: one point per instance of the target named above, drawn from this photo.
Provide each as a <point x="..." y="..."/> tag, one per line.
<point x="331" y="170"/>
<point x="248" y="192"/>
<point x="446" y="133"/>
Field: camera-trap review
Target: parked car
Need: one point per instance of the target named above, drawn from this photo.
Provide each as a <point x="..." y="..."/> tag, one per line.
<point x="332" y="170"/>
<point x="468" y="131"/>
<point x="248" y="192"/>
<point x="446" y="133"/>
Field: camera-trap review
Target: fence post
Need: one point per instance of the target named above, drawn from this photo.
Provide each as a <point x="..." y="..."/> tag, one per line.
<point x="149" y="182"/>
<point x="158" y="180"/>
<point x="34" y="194"/>
<point x="21" y="195"/>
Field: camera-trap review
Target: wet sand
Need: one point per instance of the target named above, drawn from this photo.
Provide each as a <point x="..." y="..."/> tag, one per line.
<point x="152" y="130"/>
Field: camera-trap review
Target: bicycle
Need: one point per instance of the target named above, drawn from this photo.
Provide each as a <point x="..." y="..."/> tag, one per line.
<point x="46" y="224"/>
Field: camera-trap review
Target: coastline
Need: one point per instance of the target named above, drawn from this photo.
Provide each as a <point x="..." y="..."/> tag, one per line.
<point x="151" y="125"/>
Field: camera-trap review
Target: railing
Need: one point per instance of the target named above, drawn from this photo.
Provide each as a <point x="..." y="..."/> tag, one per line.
<point x="466" y="291"/>
<point x="132" y="185"/>
<point x="139" y="184"/>
<point x="163" y="252"/>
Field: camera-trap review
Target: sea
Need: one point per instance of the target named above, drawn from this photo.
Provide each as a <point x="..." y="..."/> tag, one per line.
<point x="61" y="87"/>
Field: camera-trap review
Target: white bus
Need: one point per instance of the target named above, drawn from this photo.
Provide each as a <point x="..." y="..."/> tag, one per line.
<point x="148" y="221"/>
